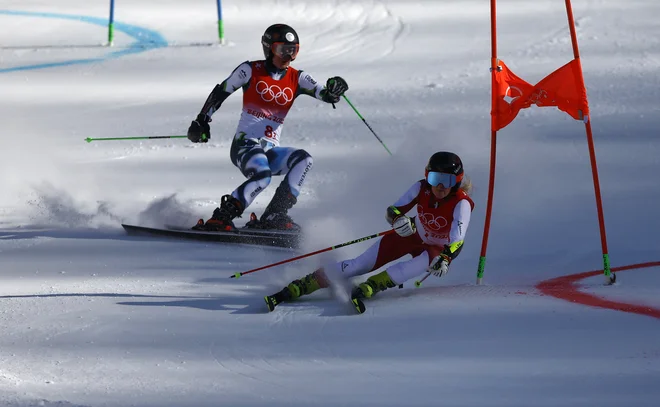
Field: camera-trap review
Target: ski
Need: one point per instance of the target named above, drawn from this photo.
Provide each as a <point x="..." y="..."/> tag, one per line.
<point x="359" y="305"/>
<point x="281" y="296"/>
<point x="259" y="237"/>
<point x="271" y="302"/>
<point x="356" y="300"/>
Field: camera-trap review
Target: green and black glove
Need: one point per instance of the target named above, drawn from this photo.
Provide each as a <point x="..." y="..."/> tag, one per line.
<point x="199" y="130"/>
<point x="334" y="89"/>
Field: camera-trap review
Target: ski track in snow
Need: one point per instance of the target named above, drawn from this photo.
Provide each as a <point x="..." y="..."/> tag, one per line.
<point x="352" y="28"/>
<point x="93" y="317"/>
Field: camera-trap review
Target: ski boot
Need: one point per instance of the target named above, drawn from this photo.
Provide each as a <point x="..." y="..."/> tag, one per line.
<point x="374" y="284"/>
<point x="254" y="222"/>
<point x="222" y="218"/>
<point x="304" y="286"/>
<point x="282" y="296"/>
<point x="275" y="216"/>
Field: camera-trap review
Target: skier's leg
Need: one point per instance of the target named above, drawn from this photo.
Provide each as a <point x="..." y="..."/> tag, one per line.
<point x="406" y="270"/>
<point x="294" y="164"/>
<point x="318" y="279"/>
<point x="390" y="278"/>
<point x="369" y="260"/>
<point x="399" y="272"/>
<point x="251" y="160"/>
<point x="376" y="283"/>
<point x="387" y="249"/>
<point x="304" y="286"/>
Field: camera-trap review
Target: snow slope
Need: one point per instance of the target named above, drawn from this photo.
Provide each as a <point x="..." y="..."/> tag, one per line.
<point x="92" y="317"/>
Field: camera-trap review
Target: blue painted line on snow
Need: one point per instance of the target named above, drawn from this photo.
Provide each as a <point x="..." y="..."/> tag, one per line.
<point x="145" y="39"/>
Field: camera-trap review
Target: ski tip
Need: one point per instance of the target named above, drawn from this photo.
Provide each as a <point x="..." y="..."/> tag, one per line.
<point x="270" y="303"/>
<point x="359" y="305"/>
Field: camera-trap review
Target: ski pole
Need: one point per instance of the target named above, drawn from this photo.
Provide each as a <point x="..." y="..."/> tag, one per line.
<point x="90" y="139"/>
<point x="362" y="239"/>
<point x="418" y="283"/>
<point x="365" y="122"/>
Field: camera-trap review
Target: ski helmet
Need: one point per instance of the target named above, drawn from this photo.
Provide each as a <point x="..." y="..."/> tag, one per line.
<point x="445" y="168"/>
<point x="280" y="39"/>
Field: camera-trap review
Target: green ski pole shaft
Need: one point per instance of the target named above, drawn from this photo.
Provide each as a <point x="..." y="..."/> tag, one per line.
<point x="365" y="122"/>
<point x="90" y="139"/>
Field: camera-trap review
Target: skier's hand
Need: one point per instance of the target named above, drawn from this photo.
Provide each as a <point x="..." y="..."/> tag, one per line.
<point x="404" y="226"/>
<point x="440" y="264"/>
<point x="334" y="89"/>
<point x="199" y="130"/>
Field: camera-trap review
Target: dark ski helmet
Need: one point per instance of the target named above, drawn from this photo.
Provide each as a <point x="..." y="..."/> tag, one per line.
<point x="445" y="168"/>
<point x="280" y="39"/>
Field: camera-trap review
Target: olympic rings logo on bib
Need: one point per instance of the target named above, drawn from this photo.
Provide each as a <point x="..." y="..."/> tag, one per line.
<point x="430" y="221"/>
<point x="274" y="93"/>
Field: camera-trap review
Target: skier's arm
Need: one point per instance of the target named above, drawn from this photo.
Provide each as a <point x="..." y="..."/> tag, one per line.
<point x="239" y="77"/>
<point x="459" y="226"/>
<point x="403" y="225"/>
<point x="200" y="130"/>
<point x="405" y="203"/>
<point x="439" y="265"/>
<point x="335" y="87"/>
<point x="307" y="85"/>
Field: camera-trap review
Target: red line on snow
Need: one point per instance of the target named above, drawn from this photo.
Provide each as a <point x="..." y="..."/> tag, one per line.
<point x="565" y="288"/>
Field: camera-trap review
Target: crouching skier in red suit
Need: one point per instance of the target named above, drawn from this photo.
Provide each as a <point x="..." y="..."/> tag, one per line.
<point x="434" y="237"/>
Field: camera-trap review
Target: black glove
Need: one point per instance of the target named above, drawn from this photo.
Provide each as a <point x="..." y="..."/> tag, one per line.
<point x="334" y="88"/>
<point x="199" y="130"/>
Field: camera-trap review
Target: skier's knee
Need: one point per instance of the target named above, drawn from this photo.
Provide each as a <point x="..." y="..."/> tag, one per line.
<point x="261" y="179"/>
<point x="299" y="164"/>
<point x="300" y="156"/>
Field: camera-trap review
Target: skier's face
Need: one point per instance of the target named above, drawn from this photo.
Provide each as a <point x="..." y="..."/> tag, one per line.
<point x="441" y="183"/>
<point x="440" y="191"/>
<point x="285" y="50"/>
<point x="283" y="54"/>
<point x="281" y="63"/>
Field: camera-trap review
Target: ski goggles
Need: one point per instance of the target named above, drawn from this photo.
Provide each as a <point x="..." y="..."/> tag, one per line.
<point x="283" y="50"/>
<point x="437" y="178"/>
